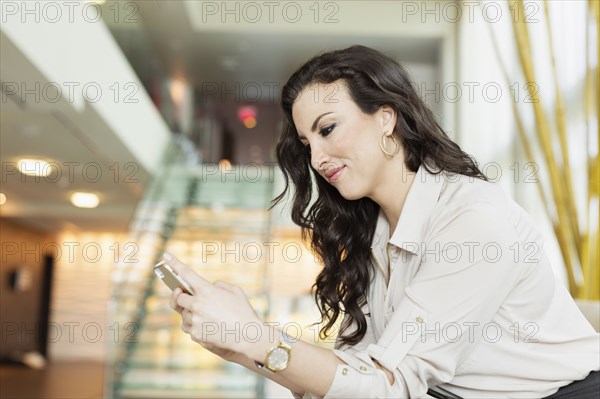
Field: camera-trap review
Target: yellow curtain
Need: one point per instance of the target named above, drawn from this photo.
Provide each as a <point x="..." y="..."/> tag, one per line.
<point x="579" y="245"/>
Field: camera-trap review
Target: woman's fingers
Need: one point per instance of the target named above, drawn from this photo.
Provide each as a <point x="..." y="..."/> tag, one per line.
<point x="186" y="272"/>
<point x="185" y="301"/>
<point x="186" y="316"/>
<point x="173" y="300"/>
<point x="187" y="321"/>
<point x="221" y="304"/>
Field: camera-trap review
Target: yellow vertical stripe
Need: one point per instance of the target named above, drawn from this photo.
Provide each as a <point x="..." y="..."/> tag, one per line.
<point x="565" y="235"/>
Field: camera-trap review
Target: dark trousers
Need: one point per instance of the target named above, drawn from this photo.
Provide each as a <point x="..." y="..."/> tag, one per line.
<point x="588" y="388"/>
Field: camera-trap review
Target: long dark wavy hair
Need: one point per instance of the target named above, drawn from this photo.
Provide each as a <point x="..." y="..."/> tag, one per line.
<point x="340" y="230"/>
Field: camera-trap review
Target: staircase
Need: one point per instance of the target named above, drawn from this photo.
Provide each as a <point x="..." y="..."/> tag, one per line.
<point x="217" y="222"/>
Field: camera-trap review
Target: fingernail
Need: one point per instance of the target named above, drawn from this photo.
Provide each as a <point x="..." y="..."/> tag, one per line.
<point x="177" y="291"/>
<point x="167" y="256"/>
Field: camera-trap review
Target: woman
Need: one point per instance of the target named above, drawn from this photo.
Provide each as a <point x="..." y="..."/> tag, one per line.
<point x="440" y="278"/>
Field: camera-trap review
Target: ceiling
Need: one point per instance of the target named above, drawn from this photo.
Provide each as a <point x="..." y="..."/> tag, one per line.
<point x="35" y="126"/>
<point x="167" y="39"/>
<point x="162" y="40"/>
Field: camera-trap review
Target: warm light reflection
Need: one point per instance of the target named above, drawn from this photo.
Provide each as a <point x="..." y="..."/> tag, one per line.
<point x="85" y="200"/>
<point x="247" y="115"/>
<point x="34" y="167"/>
<point x="224" y="164"/>
<point x="250" y="122"/>
<point x="2" y="199"/>
<point x="177" y="90"/>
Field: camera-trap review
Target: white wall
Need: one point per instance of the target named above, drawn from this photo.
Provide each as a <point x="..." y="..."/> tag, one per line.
<point x="486" y="123"/>
<point x="74" y="49"/>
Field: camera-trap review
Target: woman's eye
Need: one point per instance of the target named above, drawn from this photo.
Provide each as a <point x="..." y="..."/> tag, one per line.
<point x="327" y="129"/>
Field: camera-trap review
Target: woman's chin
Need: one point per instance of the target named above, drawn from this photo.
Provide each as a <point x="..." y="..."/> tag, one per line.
<point x="349" y="195"/>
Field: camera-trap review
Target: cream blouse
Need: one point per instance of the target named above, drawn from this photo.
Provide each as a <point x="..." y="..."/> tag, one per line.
<point x="472" y="304"/>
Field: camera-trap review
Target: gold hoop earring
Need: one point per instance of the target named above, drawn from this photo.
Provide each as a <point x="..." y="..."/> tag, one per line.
<point x="396" y="149"/>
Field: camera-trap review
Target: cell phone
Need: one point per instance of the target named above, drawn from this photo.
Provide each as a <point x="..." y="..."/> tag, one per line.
<point x="171" y="278"/>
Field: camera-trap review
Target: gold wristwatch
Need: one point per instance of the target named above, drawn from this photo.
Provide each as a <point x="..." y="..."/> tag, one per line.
<point x="279" y="356"/>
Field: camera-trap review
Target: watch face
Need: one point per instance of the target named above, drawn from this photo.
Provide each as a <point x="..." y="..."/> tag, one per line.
<point x="278" y="359"/>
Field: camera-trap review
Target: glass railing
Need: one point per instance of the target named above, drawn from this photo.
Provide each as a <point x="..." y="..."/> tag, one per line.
<point x="215" y="220"/>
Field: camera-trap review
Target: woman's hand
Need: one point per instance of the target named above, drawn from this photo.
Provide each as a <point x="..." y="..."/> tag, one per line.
<point x="225" y="354"/>
<point x="186" y="326"/>
<point x="218" y="316"/>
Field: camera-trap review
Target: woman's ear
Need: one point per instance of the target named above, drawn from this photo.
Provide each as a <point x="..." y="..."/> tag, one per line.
<point x="388" y="118"/>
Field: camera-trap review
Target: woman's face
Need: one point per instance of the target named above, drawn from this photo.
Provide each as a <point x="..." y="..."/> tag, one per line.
<point x="343" y="140"/>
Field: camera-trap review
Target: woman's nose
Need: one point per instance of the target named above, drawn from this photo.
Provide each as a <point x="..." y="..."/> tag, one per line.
<point x="318" y="157"/>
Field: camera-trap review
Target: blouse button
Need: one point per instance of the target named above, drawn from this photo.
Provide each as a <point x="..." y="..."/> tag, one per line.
<point x="420" y="319"/>
<point x="363" y="368"/>
<point x="344" y="371"/>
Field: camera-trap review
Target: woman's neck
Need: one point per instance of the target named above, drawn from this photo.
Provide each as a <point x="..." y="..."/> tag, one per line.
<point x="391" y="194"/>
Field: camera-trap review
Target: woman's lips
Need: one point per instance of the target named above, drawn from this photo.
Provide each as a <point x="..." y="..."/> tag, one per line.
<point x="333" y="175"/>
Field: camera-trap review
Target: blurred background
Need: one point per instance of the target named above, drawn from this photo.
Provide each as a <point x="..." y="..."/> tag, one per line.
<point x="133" y="127"/>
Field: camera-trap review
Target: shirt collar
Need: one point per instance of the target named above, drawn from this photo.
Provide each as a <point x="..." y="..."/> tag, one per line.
<point x="422" y="197"/>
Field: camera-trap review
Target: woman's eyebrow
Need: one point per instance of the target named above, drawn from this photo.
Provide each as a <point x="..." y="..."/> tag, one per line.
<point x="314" y="125"/>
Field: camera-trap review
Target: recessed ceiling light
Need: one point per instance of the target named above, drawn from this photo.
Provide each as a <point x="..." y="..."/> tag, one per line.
<point x="85" y="200"/>
<point x="2" y="199"/>
<point x="34" y="167"/>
